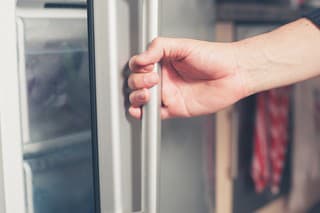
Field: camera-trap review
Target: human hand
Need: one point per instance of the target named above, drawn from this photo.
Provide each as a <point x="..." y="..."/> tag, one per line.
<point x="202" y="77"/>
<point x="198" y="77"/>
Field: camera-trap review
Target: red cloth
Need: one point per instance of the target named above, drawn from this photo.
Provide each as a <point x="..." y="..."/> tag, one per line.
<point x="260" y="167"/>
<point x="270" y="138"/>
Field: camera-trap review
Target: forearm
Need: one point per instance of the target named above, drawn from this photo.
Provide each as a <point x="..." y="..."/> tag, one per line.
<point x="287" y="55"/>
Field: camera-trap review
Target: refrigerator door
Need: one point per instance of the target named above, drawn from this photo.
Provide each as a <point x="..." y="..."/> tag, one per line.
<point x="186" y="181"/>
<point x="67" y="142"/>
<point x="55" y="110"/>
<point x="57" y="128"/>
<point x="186" y="159"/>
<point x="113" y="37"/>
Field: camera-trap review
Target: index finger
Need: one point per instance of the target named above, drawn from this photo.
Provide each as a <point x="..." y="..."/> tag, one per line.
<point x="134" y="67"/>
<point x="154" y="53"/>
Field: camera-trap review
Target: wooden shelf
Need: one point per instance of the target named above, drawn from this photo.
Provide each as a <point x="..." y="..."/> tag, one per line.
<point x="248" y="12"/>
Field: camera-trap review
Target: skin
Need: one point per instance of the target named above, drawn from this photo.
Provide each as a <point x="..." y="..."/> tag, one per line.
<point x="200" y="77"/>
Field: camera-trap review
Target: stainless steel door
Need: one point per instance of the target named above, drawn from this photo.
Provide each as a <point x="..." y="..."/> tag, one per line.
<point x="114" y="130"/>
<point x="186" y="182"/>
<point x="186" y="146"/>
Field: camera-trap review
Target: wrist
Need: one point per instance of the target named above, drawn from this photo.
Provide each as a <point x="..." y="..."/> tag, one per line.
<point x="252" y="63"/>
<point x="284" y="56"/>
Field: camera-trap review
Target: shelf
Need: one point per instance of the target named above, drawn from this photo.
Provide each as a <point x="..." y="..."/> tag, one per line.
<point x="248" y="12"/>
<point x="40" y="148"/>
<point x="55" y="52"/>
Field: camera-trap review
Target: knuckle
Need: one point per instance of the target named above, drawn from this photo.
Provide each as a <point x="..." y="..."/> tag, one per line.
<point x="131" y="97"/>
<point x="132" y="82"/>
<point x="132" y="60"/>
<point x="157" y="42"/>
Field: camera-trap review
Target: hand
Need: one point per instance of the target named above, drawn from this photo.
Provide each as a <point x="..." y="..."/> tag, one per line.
<point x="201" y="77"/>
<point x="197" y="77"/>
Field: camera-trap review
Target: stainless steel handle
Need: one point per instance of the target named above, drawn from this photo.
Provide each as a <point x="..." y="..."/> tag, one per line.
<point x="151" y="123"/>
<point x="23" y="83"/>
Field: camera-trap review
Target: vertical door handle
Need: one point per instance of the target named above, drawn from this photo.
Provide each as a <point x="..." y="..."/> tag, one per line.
<point x="23" y="82"/>
<point x="151" y="122"/>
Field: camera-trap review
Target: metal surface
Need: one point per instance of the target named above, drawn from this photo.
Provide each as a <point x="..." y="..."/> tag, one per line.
<point x="11" y="147"/>
<point x="182" y="185"/>
<point x="2" y="194"/>
<point x="151" y="124"/>
<point x="182" y="178"/>
<point x="23" y="82"/>
<point x="107" y="106"/>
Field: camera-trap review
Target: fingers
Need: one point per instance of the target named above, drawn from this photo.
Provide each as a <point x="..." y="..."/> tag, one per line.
<point x="159" y="48"/>
<point x="165" y="114"/>
<point x="142" y="76"/>
<point x="139" y="97"/>
<point x="143" y="80"/>
<point x="139" y="82"/>
<point x="135" y="68"/>
<point x="153" y="54"/>
<point x="136" y="112"/>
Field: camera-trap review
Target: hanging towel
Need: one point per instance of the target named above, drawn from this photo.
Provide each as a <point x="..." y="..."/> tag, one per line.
<point x="278" y="109"/>
<point x="260" y="167"/>
<point x="270" y="138"/>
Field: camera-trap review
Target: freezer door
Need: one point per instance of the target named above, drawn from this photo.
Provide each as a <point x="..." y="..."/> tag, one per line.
<point x="55" y="110"/>
<point x="117" y="135"/>
<point x="67" y="142"/>
<point x="46" y="119"/>
<point x="186" y="149"/>
<point x="120" y="29"/>
<point x="187" y="172"/>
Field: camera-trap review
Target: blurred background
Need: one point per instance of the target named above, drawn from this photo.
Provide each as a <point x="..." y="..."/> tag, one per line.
<point x="274" y="142"/>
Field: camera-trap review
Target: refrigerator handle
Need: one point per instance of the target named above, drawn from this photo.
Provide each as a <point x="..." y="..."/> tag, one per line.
<point x="151" y="121"/>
